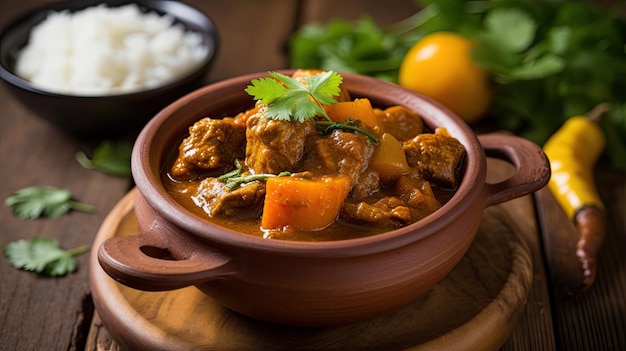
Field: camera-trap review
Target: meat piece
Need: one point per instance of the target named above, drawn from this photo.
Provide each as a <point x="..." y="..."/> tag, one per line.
<point x="275" y="146"/>
<point x="418" y="195"/>
<point x="389" y="212"/>
<point x="217" y="200"/>
<point x="437" y="156"/>
<point x="211" y="144"/>
<point x="414" y="201"/>
<point x="367" y="184"/>
<point x="341" y="153"/>
<point x="400" y="122"/>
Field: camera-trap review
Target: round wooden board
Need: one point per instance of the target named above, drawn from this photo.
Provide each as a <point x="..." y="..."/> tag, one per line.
<point x="474" y="308"/>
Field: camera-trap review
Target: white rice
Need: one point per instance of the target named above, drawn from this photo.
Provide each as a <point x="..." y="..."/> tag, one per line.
<point x="101" y="51"/>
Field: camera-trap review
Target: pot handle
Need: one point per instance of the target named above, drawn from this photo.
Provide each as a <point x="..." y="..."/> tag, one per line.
<point x="532" y="168"/>
<point x="160" y="259"/>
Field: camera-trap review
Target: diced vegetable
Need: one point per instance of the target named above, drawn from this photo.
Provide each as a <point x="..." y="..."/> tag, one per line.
<point x="303" y="204"/>
<point x="360" y="109"/>
<point x="389" y="160"/>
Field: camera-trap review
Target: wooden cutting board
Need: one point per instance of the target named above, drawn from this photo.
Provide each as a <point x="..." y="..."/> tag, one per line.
<point x="474" y="308"/>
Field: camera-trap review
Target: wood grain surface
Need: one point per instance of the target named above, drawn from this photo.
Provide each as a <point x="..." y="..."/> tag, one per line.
<point x="38" y="313"/>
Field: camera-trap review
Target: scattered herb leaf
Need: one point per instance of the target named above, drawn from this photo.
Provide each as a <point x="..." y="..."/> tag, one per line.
<point x="43" y="256"/>
<point x="36" y="201"/>
<point x="109" y="157"/>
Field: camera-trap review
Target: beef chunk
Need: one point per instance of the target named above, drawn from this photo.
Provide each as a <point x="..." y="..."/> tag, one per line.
<point x="275" y="146"/>
<point x="211" y="144"/>
<point x="217" y="200"/>
<point x="367" y="184"/>
<point x="418" y="195"/>
<point x="389" y="212"/>
<point x="437" y="156"/>
<point x="414" y="201"/>
<point x="341" y="153"/>
<point x="400" y="122"/>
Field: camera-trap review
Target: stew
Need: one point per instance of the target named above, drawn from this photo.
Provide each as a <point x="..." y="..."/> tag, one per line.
<point x="311" y="181"/>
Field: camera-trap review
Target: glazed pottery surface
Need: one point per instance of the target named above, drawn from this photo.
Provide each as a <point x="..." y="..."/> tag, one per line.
<point x="307" y="283"/>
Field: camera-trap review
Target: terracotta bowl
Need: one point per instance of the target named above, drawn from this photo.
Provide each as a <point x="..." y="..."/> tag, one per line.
<point x="307" y="283"/>
<point x="102" y="116"/>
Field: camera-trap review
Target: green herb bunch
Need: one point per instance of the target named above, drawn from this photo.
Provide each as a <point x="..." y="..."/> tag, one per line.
<point x="550" y="59"/>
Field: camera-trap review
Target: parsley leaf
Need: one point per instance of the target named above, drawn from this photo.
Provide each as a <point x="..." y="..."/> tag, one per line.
<point x="286" y="97"/>
<point x="109" y="157"/>
<point x="35" y="201"/>
<point x="43" y="256"/>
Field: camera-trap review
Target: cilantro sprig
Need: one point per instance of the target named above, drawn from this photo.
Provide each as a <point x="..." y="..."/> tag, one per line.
<point x="288" y="98"/>
<point x="44" y="201"/>
<point x="43" y="256"/>
<point x="234" y="179"/>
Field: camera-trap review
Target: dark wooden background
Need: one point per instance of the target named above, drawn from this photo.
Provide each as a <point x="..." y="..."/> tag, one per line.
<point x="39" y="313"/>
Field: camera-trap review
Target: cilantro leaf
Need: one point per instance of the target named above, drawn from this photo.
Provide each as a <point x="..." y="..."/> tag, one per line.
<point x="302" y="101"/>
<point x="109" y="157"/>
<point x="35" y="201"/>
<point x="511" y="29"/>
<point x="544" y="66"/>
<point x="266" y="89"/>
<point x="287" y="98"/>
<point x="324" y="86"/>
<point x="43" y="256"/>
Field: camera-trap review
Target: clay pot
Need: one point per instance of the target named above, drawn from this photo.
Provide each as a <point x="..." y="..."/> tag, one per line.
<point x="307" y="283"/>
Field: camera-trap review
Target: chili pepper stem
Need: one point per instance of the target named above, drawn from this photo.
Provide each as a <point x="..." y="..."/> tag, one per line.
<point x="598" y="111"/>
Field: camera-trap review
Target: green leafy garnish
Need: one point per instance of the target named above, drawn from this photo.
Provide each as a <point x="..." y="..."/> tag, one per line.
<point x="234" y="179"/>
<point x="287" y="98"/>
<point x="36" y="201"/>
<point x="109" y="157"/>
<point x="43" y="256"/>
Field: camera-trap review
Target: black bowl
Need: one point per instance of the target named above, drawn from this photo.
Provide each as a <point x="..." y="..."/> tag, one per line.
<point x="105" y="115"/>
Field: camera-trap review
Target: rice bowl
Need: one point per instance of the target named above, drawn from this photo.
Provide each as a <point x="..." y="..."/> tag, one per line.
<point x="99" y="115"/>
<point x="103" y="50"/>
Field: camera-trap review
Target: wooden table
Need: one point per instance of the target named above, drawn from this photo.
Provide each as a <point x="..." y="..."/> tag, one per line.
<point x="39" y="313"/>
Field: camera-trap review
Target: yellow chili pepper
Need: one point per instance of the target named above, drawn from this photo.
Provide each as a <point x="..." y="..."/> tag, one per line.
<point x="573" y="151"/>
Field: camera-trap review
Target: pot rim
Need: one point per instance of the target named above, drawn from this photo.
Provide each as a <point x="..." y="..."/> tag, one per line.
<point x="468" y="194"/>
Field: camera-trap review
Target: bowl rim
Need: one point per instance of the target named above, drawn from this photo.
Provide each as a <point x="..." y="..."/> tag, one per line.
<point x="151" y="187"/>
<point x="209" y="33"/>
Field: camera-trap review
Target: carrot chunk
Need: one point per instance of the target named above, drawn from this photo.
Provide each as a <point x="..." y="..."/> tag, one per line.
<point x="303" y="204"/>
<point x="360" y="109"/>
